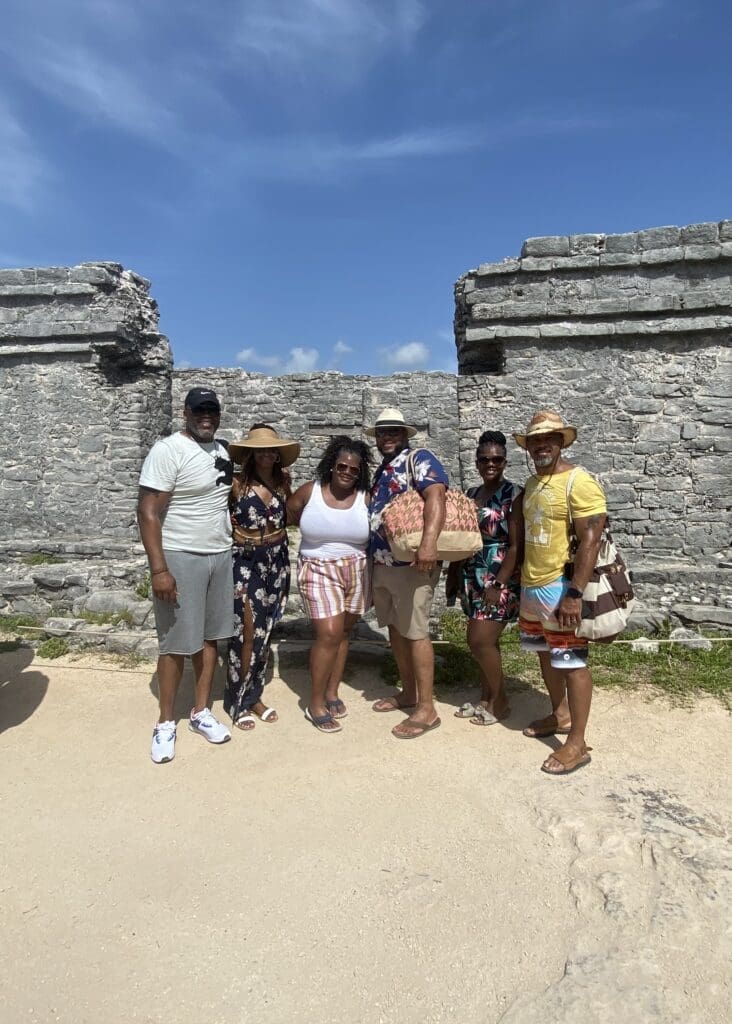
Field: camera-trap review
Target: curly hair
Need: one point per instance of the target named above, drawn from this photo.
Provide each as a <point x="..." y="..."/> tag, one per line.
<point x="491" y="437"/>
<point x="351" y="446"/>
<point x="244" y="478"/>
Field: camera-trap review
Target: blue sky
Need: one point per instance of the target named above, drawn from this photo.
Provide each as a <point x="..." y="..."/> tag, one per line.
<point x="303" y="180"/>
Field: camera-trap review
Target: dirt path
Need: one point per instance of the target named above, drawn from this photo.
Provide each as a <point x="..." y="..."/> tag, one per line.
<point x="294" y="877"/>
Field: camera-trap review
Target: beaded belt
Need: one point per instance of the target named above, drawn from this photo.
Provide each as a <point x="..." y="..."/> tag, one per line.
<point x="254" y="537"/>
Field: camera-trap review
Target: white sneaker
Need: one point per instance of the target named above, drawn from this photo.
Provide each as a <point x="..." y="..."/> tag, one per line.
<point x="163" y="742"/>
<point x="206" y="725"/>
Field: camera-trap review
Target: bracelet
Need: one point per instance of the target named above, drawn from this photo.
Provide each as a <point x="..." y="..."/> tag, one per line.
<point x="158" y="571"/>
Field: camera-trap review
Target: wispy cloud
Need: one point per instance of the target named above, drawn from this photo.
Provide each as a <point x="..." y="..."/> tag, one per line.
<point x="413" y="355"/>
<point x="336" y="37"/>
<point x="341" y="349"/>
<point x="22" y="169"/>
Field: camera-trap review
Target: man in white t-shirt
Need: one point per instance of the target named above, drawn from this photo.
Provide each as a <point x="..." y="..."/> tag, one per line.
<point x="183" y="515"/>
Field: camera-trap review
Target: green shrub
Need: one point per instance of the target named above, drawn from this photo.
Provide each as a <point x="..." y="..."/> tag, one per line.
<point x="42" y="559"/>
<point x="143" y="587"/>
<point x="54" y="647"/>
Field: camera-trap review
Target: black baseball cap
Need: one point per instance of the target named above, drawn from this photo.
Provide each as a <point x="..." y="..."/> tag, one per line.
<point x="197" y="397"/>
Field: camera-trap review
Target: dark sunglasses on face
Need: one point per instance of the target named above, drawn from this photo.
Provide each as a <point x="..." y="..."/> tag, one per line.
<point x="343" y="467"/>
<point x="490" y="460"/>
<point x="388" y="432"/>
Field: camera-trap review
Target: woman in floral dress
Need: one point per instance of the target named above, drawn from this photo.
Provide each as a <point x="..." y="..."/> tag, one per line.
<point x="489" y="582"/>
<point x="261" y="563"/>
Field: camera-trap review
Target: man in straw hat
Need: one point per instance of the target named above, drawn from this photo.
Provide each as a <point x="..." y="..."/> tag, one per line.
<point x="402" y="591"/>
<point x="183" y="514"/>
<point x="552" y="585"/>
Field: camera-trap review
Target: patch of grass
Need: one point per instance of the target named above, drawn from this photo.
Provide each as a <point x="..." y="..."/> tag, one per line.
<point x="10" y="623"/>
<point x="107" y="618"/>
<point x="39" y="558"/>
<point x="54" y="647"/>
<point x="143" y="587"/>
<point x="679" y="672"/>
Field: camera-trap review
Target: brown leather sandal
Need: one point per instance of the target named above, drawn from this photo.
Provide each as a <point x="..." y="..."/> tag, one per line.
<point x="569" y="760"/>
<point x="548" y="726"/>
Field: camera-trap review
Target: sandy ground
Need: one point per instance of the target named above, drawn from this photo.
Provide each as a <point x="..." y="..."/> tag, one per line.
<point x="289" y="876"/>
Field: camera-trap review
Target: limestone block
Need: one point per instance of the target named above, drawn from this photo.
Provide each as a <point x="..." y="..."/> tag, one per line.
<point x="699" y="234"/>
<point x="644" y="646"/>
<point x="698" y="613"/>
<point x="56" y="626"/>
<point x="583" y="245"/>
<point x="726" y="252"/>
<point x="626" y="243"/>
<point x="672" y="254"/>
<point x="14" y="588"/>
<point x="619" y="259"/>
<point x="530" y="264"/>
<point x="578" y="263"/>
<point x="702" y="252"/>
<point x="687" y="637"/>
<point x="725" y="232"/>
<point x="508" y="266"/>
<point x="639" y="405"/>
<point x="551" y="245"/>
<point x="659" y="238"/>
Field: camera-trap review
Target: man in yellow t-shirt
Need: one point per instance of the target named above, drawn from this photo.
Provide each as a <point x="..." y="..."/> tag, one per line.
<point x="551" y="600"/>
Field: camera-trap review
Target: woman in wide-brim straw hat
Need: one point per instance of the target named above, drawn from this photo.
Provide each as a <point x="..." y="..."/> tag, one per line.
<point x="261" y="564"/>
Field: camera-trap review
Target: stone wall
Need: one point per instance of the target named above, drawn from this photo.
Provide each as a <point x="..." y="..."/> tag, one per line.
<point x="85" y="390"/>
<point x="311" y="407"/>
<point x="629" y="336"/>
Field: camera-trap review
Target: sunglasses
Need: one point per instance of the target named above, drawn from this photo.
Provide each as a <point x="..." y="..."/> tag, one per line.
<point x="490" y="460"/>
<point x="343" y="467"/>
<point x="388" y="431"/>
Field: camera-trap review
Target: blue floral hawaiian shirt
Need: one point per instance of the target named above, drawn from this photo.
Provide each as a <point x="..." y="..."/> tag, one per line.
<point x="391" y="479"/>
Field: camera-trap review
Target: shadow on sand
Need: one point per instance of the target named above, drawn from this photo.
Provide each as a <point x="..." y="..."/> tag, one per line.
<point x="21" y="691"/>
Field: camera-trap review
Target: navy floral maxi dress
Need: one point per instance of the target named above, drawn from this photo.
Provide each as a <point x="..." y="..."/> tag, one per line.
<point x="261" y="577"/>
<point x="483" y="566"/>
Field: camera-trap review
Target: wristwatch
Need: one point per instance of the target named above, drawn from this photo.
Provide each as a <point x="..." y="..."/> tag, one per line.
<point x="573" y="592"/>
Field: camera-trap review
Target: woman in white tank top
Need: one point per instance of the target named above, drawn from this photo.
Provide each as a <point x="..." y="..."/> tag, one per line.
<point x="332" y="568"/>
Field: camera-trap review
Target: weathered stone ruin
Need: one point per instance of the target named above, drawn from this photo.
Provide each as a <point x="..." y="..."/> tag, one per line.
<point x="627" y="335"/>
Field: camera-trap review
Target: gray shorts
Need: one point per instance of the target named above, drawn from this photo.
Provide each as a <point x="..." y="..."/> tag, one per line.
<point x="205" y="606"/>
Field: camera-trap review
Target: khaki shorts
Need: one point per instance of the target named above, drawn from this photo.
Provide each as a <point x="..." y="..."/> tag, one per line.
<point x="403" y="598"/>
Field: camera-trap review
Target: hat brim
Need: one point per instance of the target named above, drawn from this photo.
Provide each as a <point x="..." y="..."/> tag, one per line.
<point x="288" y="450"/>
<point x="371" y="431"/>
<point x="569" y="436"/>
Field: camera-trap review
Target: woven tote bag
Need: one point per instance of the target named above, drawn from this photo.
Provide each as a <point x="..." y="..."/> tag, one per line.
<point x="608" y="598"/>
<point x="403" y="520"/>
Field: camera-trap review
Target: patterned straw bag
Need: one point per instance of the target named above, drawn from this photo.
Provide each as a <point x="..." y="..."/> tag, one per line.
<point x="608" y="598"/>
<point x="403" y="520"/>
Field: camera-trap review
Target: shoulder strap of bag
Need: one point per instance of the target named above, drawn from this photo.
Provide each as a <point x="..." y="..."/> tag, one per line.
<point x="411" y="459"/>
<point x="570" y="481"/>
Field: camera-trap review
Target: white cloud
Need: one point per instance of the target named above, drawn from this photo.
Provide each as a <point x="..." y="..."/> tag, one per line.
<point x="333" y="37"/>
<point x="341" y="349"/>
<point x="250" y="357"/>
<point x="302" y="360"/>
<point x="413" y="355"/>
<point x="22" y="170"/>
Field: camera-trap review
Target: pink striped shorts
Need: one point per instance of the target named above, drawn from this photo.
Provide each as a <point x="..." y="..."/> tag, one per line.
<point x="332" y="586"/>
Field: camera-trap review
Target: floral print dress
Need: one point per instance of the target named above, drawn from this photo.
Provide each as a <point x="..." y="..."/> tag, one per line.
<point x="483" y="566"/>
<point x="261" y="578"/>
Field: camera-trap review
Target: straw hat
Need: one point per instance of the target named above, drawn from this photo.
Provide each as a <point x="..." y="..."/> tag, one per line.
<point x="547" y="422"/>
<point x="264" y="437"/>
<point x="390" y="418"/>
